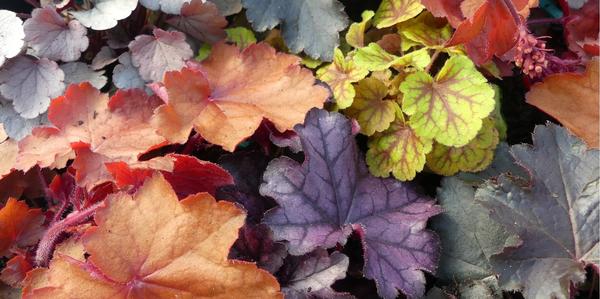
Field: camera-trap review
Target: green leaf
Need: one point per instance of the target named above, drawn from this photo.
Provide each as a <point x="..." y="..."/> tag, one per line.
<point x="398" y="150"/>
<point x="339" y="75"/>
<point x="469" y="238"/>
<point x="373" y="113"/>
<point x="500" y="123"/>
<point x="475" y="156"/>
<point x="392" y="12"/>
<point x="204" y="51"/>
<point x="240" y="36"/>
<point x="356" y="32"/>
<point x="426" y="30"/>
<point x="449" y="108"/>
<point x="374" y="58"/>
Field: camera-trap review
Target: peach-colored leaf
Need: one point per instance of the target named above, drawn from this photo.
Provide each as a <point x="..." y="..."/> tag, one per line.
<point x="226" y="97"/>
<point x="573" y="100"/>
<point x="151" y="245"/>
<point x="20" y="226"/>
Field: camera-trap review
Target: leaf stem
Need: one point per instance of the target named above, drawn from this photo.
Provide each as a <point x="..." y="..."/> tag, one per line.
<point x="433" y="58"/>
<point x="48" y="241"/>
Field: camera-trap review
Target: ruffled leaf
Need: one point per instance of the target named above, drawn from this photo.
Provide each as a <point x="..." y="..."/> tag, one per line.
<point x="11" y="35"/>
<point x="392" y="12"/>
<point x="370" y="108"/>
<point x="200" y="20"/>
<point x="105" y="13"/>
<point x="339" y="75"/>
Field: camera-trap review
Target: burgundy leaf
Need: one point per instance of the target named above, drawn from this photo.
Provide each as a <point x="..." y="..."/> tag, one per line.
<point x="332" y="193"/>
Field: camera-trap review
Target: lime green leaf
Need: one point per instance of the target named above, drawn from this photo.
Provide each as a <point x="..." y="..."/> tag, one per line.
<point x="203" y="52"/>
<point x="450" y="107"/>
<point x="374" y="58"/>
<point x="370" y="109"/>
<point x="475" y="156"/>
<point x="500" y="123"/>
<point x="310" y="62"/>
<point x="392" y="12"/>
<point x="398" y="150"/>
<point x="356" y="32"/>
<point x="240" y="36"/>
<point x="426" y="30"/>
<point x="339" y="75"/>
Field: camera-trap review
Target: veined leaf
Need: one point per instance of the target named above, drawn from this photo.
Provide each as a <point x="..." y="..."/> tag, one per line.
<point x="391" y="12"/>
<point x="356" y="32"/>
<point x="370" y="109"/>
<point x="339" y="75"/>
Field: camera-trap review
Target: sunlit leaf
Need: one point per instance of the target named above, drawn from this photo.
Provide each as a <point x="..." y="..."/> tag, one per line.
<point x="11" y="35"/>
<point x="339" y="75"/>
<point x="370" y="109"/>
<point x="356" y="32"/>
<point x="391" y="12"/>
<point x="105" y="13"/>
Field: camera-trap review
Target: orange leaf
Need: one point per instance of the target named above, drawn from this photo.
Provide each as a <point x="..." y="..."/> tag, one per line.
<point x="20" y="226"/>
<point x="226" y="97"/>
<point x="15" y="270"/>
<point x="151" y="245"/>
<point x="86" y="116"/>
<point x="573" y="100"/>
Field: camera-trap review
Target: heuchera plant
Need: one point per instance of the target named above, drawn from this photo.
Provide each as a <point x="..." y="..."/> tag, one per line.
<point x="296" y="148"/>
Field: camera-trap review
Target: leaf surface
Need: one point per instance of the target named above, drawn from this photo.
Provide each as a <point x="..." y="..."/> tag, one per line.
<point x="51" y="36"/>
<point x="228" y="7"/>
<point x="30" y="84"/>
<point x="392" y="12"/>
<point x="213" y="97"/>
<point x="323" y="200"/>
<point x="339" y="75"/>
<point x="200" y="20"/>
<point x="563" y="96"/>
<point x="309" y="25"/>
<point x="79" y="72"/>
<point x="105" y="13"/>
<point x="14" y="124"/>
<point x="153" y="245"/>
<point x="126" y="75"/>
<point x="449" y="108"/>
<point x="11" y="35"/>
<point x="370" y="108"/>
<point x="554" y="217"/>
<point x="356" y="32"/>
<point x="161" y="52"/>
<point x="172" y="7"/>
<point x="20" y="226"/>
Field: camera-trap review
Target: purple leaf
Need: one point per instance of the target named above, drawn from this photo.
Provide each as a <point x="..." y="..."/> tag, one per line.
<point x="332" y="193"/>
<point x="169" y="6"/>
<point x="30" y="84"/>
<point x="555" y="217"/>
<point x="11" y="35"/>
<point x="155" y="55"/>
<point x="105" y="13"/>
<point x="77" y="72"/>
<point x="201" y="20"/>
<point x="50" y="36"/>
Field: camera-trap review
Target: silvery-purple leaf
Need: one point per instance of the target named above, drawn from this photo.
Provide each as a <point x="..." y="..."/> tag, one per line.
<point x="228" y="7"/>
<point x="556" y="216"/>
<point x="30" y="84"/>
<point x="169" y="6"/>
<point x="155" y="55"/>
<point x="11" y="35"/>
<point x="313" y="272"/>
<point x="50" y="36"/>
<point x="125" y="75"/>
<point x="105" y="56"/>
<point x="200" y="20"/>
<point x="77" y="72"/>
<point x="105" y="13"/>
<point x="332" y="193"/>
<point x="17" y="127"/>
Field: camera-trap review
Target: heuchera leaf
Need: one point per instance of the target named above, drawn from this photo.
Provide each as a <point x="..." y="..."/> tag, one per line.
<point x="469" y="238"/>
<point x="169" y="6"/>
<point x="11" y="35"/>
<point x="449" y="9"/>
<point x="374" y="58"/>
<point x="426" y="30"/>
<point x="200" y="20"/>
<point x="155" y="55"/>
<point x="213" y="96"/>
<point x="8" y="155"/>
<point x="309" y="25"/>
<point x="313" y="273"/>
<point x="240" y="36"/>
<point x="355" y="36"/>
<point x="450" y="107"/>
<point x="398" y="150"/>
<point x="105" y="13"/>
<point x="30" y="84"/>
<point x="189" y="175"/>
<point x="392" y="12"/>
<point x="125" y="75"/>
<point x="370" y="108"/>
<point x="153" y="245"/>
<point x="14" y="272"/>
<point x="323" y="200"/>
<point x="573" y="100"/>
<point x="50" y="36"/>
<point x="474" y="156"/>
<point x="20" y="226"/>
<point x="15" y="125"/>
<point x="490" y="30"/>
<point x="104" y="57"/>
<point x="339" y="75"/>
<point x="581" y="30"/>
<point x="111" y="128"/>
<point x="79" y="72"/>
<point x="555" y="217"/>
<point x="228" y="7"/>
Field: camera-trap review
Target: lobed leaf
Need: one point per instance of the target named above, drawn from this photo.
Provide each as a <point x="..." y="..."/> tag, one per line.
<point x="79" y="72"/>
<point x="20" y="226"/>
<point x="355" y="36"/>
<point x="339" y="75"/>
<point x="370" y="109"/>
<point x="105" y="13"/>
<point x="11" y="35"/>
<point x="200" y="20"/>
<point x="392" y="12"/>
<point x="168" y="6"/>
